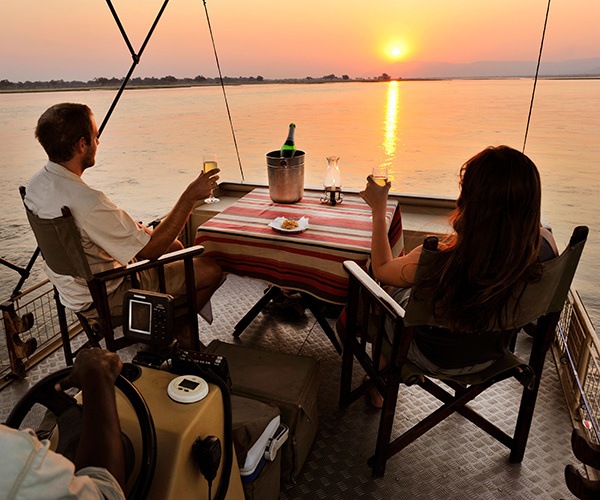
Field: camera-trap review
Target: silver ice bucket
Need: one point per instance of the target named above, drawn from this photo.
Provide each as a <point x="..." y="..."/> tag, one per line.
<point x="286" y="177"/>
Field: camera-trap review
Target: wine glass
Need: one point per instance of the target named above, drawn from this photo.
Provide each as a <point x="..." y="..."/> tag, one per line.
<point x="380" y="174"/>
<point x="210" y="163"/>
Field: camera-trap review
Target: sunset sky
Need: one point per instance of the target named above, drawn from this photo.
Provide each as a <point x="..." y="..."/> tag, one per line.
<point x="78" y="39"/>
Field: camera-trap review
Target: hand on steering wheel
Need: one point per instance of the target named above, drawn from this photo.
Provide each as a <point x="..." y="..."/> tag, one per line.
<point x="45" y="393"/>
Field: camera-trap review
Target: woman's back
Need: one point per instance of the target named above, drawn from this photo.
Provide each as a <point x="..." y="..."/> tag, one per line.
<point x="496" y="246"/>
<point x="454" y="350"/>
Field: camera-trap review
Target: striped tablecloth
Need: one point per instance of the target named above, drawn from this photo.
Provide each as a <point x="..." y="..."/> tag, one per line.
<point x="241" y="241"/>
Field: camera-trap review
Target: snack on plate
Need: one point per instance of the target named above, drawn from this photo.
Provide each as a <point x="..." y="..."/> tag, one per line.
<point x="289" y="224"/>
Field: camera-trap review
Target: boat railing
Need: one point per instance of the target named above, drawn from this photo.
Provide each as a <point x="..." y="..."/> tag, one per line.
<point x="577" y="351"/>
<point x="30" y="330"/>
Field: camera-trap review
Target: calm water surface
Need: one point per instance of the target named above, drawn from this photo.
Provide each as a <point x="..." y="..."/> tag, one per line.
<point x="424" y="131"/>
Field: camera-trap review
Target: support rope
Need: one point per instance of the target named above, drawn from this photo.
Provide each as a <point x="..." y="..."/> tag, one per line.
<point x="212" y="38"/>
<point x="537" y="70"/>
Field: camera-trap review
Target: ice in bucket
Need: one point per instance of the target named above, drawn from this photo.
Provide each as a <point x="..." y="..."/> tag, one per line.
<point x="286" y="177"/>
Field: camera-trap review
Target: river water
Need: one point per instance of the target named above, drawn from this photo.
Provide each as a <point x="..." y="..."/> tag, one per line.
<point x="423" y="131"/>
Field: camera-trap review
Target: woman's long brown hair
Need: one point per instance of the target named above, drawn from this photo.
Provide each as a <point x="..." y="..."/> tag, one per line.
<point x="495" y="248"/>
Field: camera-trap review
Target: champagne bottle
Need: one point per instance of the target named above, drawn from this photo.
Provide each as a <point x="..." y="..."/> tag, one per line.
<point x="288" y="150"/>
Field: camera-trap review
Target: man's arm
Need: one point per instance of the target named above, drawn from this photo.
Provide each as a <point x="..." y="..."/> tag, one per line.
<point x="162" y="239"/>
<point x="100" y="444"/>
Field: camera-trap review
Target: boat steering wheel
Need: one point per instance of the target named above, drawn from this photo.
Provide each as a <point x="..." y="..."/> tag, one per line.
<point x="58" y="403"/>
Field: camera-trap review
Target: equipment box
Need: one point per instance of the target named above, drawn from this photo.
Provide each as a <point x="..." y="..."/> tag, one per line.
<point x="290" y="382"/>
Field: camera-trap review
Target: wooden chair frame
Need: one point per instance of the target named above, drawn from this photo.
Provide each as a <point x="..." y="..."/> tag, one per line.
<point x="363" y="328"/>
<point x="60" y="243"/>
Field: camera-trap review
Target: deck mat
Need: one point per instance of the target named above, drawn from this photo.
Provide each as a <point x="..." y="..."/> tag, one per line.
<point x="454" y="460"/>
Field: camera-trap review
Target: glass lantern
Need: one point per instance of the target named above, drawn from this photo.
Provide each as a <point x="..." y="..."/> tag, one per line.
<point x="332" y="182"/>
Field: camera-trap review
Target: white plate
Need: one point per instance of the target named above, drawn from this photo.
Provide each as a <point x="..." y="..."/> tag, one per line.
<point x="302" y="225"/>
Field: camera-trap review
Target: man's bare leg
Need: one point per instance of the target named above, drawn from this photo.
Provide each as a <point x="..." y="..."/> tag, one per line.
<point x="209" y="277"/>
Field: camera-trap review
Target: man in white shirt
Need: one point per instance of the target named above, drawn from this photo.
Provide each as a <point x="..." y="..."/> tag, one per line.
<point x="110" y="237"/>
<point x="30" y="470"/>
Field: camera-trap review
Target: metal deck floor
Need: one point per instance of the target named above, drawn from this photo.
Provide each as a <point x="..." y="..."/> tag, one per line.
<point x="454" y="460"/>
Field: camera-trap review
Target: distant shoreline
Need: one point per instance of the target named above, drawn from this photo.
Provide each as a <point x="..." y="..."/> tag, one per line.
<point x="7" y="87"/>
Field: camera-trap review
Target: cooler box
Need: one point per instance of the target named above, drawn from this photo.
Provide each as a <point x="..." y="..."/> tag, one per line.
<point x="290" y="382"/>
<point x="257" y="441"/>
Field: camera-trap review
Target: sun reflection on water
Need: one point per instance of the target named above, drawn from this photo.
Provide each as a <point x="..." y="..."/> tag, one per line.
<point x="390" y="138"/>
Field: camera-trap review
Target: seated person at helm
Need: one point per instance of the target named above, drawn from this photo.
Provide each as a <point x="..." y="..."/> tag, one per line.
<point x="110" y="237"/>
<point x="497" y="244"/>
<point x="30" y="469"/>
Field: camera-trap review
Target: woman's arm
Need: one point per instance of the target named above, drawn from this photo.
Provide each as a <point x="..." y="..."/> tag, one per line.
<point x="390" y="270"/>
<point x="400" y="271"/>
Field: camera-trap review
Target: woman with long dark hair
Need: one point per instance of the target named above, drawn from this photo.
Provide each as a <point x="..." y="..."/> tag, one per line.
<point x="496" y="247"/>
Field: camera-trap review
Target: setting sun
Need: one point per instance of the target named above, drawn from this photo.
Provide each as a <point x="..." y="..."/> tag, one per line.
<point x="397" y="51"/>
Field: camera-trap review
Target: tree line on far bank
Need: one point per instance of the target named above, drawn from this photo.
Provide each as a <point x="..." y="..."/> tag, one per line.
<point x="169" y="81"/>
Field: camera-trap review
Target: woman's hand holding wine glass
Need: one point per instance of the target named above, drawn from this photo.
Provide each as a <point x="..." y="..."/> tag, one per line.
<point x="380" y="174"/>
<point x="376" y="191"/>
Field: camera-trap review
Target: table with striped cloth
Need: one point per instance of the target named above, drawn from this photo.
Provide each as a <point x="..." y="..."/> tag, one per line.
<point x="241" y="241"/>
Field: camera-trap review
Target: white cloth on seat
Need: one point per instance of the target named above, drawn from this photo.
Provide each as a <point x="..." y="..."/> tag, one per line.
<point x="30" y="471"/>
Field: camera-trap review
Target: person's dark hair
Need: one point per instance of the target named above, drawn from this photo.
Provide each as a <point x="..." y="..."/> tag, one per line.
<point x="495" y="248"/>
<point x="61" y="126"/>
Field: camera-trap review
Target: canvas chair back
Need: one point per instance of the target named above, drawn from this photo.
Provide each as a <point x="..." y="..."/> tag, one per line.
<point x="541" y="297"/>
<point x="60" y="243"/>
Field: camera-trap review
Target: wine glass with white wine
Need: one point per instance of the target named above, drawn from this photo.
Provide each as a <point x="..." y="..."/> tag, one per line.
<point x="210" y="163"/>
<point x="380" y="174"/>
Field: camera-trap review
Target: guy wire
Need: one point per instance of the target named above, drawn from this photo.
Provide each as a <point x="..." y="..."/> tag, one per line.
<point x="537" y="70"/>
<point x="212" y="38"/>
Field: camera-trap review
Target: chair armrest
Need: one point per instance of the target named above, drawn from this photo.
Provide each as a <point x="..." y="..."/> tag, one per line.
<point x="119" y="272"/>
<point x="179" y="254"/>
<point x="374" y="289"/>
